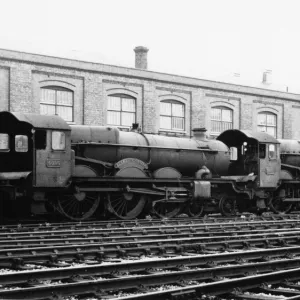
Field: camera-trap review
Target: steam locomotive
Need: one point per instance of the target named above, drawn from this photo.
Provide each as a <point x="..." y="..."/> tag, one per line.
<point x="98" y="171"/>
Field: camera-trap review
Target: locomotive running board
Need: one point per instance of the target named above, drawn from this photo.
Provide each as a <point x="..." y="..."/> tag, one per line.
<point x="13" y="175"/>
<point x="291" y="200"/>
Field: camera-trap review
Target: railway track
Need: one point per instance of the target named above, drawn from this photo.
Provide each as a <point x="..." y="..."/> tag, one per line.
<point x="210" y="219"/>
<point x="232" y="260"/>
<point x="161" y="228"/>
<point x="195" y="275"/>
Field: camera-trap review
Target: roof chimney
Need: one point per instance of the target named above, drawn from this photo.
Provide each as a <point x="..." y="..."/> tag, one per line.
<point x="141" y="57"/>
<point x="267" y="77"/>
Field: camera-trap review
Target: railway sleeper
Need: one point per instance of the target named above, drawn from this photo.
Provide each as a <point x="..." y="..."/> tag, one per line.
<point x="54" y="262"/>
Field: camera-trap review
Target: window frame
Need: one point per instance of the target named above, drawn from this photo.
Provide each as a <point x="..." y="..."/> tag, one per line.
<point x="22" y="138"/>
<point x="222" y="108"/>
<point x="53" y="137"/>
<point x="262" y="151"/>
<point x="57" y="89"/>
<point x="8" y="149"/>
<point x="173" y="129"/>
<point x="266" y="126"/>
<point x="121" y="111"/>
<point x="274" y="157"/>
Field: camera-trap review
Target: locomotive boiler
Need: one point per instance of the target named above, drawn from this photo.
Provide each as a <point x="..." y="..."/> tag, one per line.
<point x="183" y="155"/>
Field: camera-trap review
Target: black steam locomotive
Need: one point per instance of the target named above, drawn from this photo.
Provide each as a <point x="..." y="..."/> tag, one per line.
<point x="84" y="171"/>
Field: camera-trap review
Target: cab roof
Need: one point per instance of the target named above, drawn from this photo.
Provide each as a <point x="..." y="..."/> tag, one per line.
<point x="234" y="136"/>
<point x="39" y="121"/>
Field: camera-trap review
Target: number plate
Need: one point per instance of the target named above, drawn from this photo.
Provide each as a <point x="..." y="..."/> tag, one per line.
<point x="53" y="163"/>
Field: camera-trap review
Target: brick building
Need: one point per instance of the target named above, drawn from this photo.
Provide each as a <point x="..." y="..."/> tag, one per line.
<point x="98" y="94"/>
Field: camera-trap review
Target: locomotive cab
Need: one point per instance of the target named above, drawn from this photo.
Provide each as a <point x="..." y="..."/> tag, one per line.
<point x="257" y="153"/>
<point x="34" y="150"/>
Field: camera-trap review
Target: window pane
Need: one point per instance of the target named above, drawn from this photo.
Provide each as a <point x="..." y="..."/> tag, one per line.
<point x="177" y="110"/>
<point x="114" y="103"/>
<point x="127" y="119"/>
<point x="113" y="118"/>
<point x="271" y="120"/>
<point x="64" y="98"/>
<point x="47" y="109"/>
<point x="271" y="131"/>
<point x="48" y="96"/>
<point x="262" y="128"/>
<point x="216" y="114"/>
<point x="165" y="108"/>
<point x="65" y="112"/>
<point x="165" y="122"/>
<point x="4" y="142"/>
<point x="226" y="126"/>
<point x="227" y="115"/>
<point x="178" y="123"/>
<point x="272" y="151"/>
<point x="58" y="140"/>
<point x="261" y="119"/>
<point x="21" y="143"/>
<point x="128" y="104"/>
<point x="216" y="126"/>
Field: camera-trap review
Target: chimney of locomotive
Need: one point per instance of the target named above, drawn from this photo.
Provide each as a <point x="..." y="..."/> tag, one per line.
<point x="199" y="133"/>
<point x="141" y="57"/>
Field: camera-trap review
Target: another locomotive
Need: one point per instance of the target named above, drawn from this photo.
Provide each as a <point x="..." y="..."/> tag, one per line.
<point x="85" y="171"/>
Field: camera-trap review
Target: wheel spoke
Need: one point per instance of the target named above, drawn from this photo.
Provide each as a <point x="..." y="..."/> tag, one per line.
<point x="167" y="209"/>
<point x="195" y="209"/>
<point x="278" y="206"/>
<point x="78" y="210"/>
<point x="227" y="206"/>
<point x="126" y="209"/>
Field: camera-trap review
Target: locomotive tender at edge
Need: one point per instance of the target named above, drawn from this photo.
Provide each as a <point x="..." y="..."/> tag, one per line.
<point x="84" y="171"/>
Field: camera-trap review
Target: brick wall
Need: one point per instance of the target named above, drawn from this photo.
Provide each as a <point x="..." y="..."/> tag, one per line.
<point x="22" y="75"/>
<point x="4" y="88"/>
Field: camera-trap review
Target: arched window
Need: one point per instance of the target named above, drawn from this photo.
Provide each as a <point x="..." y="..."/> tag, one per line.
<point x="121" y="110"/>
<point x="267" y="122"/>
<point x="172" y="115"/>
<point x="57" y="101"/>
<point x="221" y="119"/>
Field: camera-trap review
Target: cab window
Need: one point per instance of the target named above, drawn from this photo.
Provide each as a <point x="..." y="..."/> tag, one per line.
<point x="233" y="153"/>
<point x="21" y="143"/>
<point x="40" y="139"/>
<point x="58" y="140"/>
<point x="4" y="142"/>
<point x="262" y="151"/>
<point x="272" y="151"/>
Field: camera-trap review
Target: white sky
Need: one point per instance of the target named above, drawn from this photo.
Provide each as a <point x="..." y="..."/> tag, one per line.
<point x="197" y="38"/>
